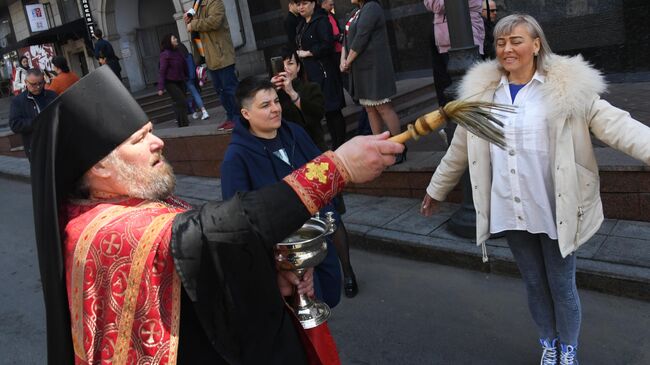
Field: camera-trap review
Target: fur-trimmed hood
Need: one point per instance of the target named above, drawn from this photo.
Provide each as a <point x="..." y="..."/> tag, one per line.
<point x="570" y="83"/>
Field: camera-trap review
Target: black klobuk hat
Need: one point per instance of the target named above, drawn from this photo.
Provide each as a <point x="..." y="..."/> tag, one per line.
<point x="78" y="129"/>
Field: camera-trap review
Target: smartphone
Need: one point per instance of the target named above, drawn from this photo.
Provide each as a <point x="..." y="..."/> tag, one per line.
<point x="277" y="65"/>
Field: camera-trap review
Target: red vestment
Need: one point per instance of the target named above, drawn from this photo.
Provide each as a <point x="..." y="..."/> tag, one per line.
<point x="123" y="290"/>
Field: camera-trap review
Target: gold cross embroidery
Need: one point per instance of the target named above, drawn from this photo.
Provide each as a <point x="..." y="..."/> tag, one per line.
<point x="317" y="171"/>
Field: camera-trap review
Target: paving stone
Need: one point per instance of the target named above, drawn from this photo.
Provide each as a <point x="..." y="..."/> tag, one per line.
<point x="589" y="248"/>
<point x="624" y="250"/>
<point x="631" y="229"/>
<point x="607" y="226"/>
<point x="412" y="221"/>
<point x="379" y="211"/>
<point x="444" y="233"/>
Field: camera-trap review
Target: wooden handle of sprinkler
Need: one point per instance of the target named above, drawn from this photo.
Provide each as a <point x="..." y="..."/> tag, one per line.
<point x="422" y="126"/>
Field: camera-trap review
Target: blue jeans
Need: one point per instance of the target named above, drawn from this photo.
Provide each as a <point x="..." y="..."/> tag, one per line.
<point x="550" y="283"/>
<point x="327" y="277"/>
<point x="225" y="83"/>
<point x="194" y="95"/>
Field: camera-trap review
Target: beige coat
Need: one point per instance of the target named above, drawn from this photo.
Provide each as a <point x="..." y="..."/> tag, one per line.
<point x="211" y="23"/>
<point x="575" y="110"/>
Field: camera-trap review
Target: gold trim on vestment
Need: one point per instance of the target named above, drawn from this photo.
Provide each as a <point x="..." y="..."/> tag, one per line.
<point x="176" y="318"/>
<point x="77" y="274"/>
<point x="139" y="259"/>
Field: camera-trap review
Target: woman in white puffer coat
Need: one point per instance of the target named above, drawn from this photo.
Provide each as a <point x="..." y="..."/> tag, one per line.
<point x="543" y="191"/>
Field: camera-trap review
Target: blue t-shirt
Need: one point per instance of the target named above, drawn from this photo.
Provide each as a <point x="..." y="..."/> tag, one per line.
<point x="514" y="89"/>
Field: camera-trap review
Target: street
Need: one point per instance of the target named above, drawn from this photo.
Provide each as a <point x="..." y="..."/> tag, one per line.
<point x="407" y="312"/>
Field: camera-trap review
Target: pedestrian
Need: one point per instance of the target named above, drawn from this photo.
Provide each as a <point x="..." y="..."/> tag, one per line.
<point x="208" y="19"/>
<point x="366" y="57"/>
<point x="194" y="101"/>
<point x="263" y="150"/>
<point x="173" y="76"/>
<point x="302" y="101"/>
<point x="27" y="106"/>
<point x="489" y="14"/>
<point x="543" y="190"/>
<point x="64" y="78"/>
<point x="440" y="42"/>
<point x="131" y="274"/>
<point x="329" y="7"/>
<point x="20" y="75"/>
<point x="104" y="49"/>
<point x="291" y="23"/>
<point x="315" y="44"/>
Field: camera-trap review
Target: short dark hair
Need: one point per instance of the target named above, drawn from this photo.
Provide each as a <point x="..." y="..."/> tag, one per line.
<point x="287" y="53"/>
<point x="98" y="33"/>
<point x="248" y="88"/>
<point x="62" y="63"/>
<point x="34" y="72"/>
<point x="166" y="42"/>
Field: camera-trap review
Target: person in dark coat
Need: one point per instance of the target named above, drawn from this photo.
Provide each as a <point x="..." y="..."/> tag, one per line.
<point x="262" y="153"/>
<point x="315" y="44"/>
<point x="27" y="106"/>
<point x="489" y="15"/>
<point x="208" y="271"/>
<point x="173" y="76"/>
<point x="291" y="23"/>
<point x="302" y="101"/>
<point x="104" y="49"/>
<point x="367" y="58"/>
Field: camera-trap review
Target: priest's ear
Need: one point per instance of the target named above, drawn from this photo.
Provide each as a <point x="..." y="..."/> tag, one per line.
<point x="101" y="170"/>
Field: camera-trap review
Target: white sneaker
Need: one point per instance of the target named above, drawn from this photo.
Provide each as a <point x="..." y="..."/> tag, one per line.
<point x="195" y="115"/>
<point x="205" y="115"/>
<point x="549" y="351"/>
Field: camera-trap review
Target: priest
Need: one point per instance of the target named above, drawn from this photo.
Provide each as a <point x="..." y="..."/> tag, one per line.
<point x="132" y="274"/>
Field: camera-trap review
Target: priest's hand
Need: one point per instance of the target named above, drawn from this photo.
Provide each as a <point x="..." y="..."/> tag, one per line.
<point x="287" y="281"/>
<point x="365" y="157"/>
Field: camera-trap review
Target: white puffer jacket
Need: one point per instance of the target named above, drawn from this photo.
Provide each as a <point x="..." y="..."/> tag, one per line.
<point x="575" y="110"/>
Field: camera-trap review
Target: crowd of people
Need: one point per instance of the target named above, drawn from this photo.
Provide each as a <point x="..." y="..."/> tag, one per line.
<point x="131" y="273"/>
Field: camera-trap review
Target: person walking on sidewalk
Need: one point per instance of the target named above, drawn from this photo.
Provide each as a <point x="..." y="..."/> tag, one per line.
<point x="212" y="41"/>
<point x="104" y="50"/>
<point x="543" y="190"/>
<point x="20" y="75"/>
<point x="366" y="56"/>
<point x="194" y="100"/>
<point x="315" y="47"/>
<point x="173" y="75"/>
<point x="64" y="78"/>
<point x="27" y="106"/>
<point x="440" y="42"/>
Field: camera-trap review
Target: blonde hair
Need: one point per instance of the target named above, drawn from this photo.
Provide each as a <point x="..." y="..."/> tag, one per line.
<point x="506" y="25"/>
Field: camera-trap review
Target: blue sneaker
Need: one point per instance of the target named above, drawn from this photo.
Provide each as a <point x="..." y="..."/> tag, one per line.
<point x="568" y="355"/>
<point x="549" y="351"/>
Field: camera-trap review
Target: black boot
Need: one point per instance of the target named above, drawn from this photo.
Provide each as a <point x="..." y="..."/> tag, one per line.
<point x="350" y="286"/>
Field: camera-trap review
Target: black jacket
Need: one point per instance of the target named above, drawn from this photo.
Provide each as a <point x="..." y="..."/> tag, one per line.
<point x="323" y="68"/>
<point x="311" y="110"/>
<point x="24" y="109"/>
<point x="223" y="255"/>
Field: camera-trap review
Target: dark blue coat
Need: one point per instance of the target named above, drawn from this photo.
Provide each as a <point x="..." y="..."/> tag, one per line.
<point x="25" y="107"/>
<point x="248" y="165"/>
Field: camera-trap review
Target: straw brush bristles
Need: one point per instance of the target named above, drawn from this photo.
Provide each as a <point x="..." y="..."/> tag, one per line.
<point x="477" y="117"/>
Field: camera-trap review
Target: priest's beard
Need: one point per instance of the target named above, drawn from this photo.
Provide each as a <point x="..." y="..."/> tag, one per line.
<point x="153" y="183"/>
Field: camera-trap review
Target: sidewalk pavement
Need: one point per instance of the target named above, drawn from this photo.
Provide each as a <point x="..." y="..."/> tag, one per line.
<point x="616" y="260"/>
